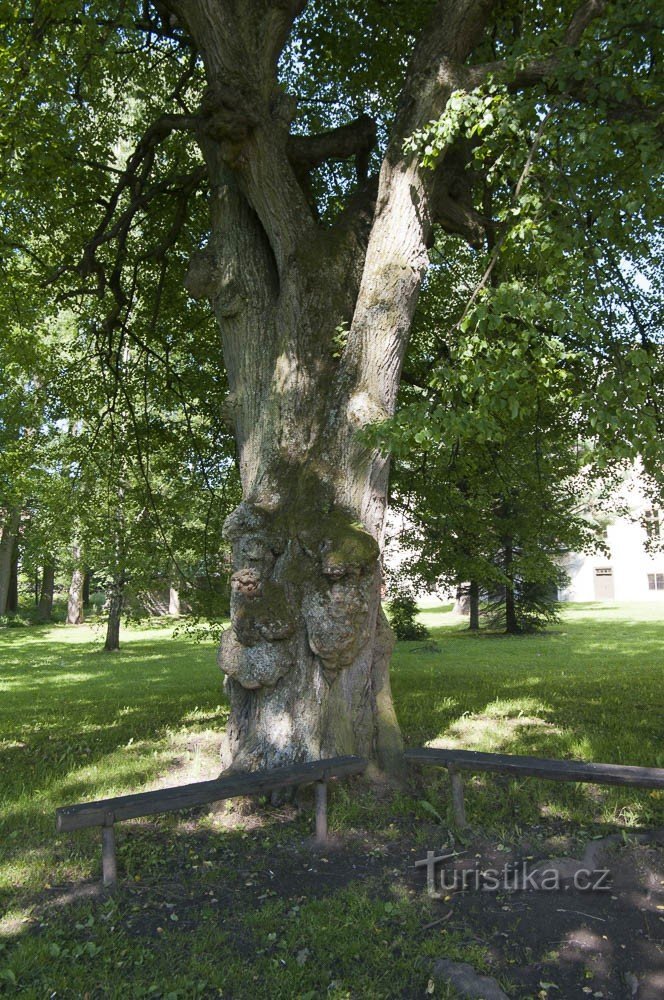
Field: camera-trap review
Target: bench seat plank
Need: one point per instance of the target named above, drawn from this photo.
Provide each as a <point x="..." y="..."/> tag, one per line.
<point x="539" y="767"/>
<point x="105" y="811"/>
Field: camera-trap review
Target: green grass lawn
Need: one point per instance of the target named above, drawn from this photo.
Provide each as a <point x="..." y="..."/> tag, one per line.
<point x="77" y="724"/>
<point x="590" y="688"/>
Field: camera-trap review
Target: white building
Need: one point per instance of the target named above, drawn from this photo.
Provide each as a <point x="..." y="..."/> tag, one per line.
<point x="629" y="572"/>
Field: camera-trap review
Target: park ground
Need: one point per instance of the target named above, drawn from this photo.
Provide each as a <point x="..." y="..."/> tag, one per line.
<point x="241" y="904"/>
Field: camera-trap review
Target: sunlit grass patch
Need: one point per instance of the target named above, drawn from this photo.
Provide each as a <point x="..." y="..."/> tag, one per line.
<point x="78" y="724"/>
<point x="592" y="688"/>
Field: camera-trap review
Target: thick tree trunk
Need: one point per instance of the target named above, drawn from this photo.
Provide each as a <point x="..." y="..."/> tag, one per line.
<point x="12" y="595"/>
<point x="474" y="605"/>
<point x="87" y="577"/>
<point x="7" y="544"/>
<point x="45" y="606"/>
<point x="75" y="597"/>
<point x="114" y="605"/>
<point x="306" y="657"/>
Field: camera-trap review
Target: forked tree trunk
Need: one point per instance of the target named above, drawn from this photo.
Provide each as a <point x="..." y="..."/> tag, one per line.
<point x="75" y="596"/>
<point x="306" y="657"/>
<point x="114" y="605"/>
<point x="314" y="324"/>
<point x="45" y="606"/>
<point x="8" y="536"/>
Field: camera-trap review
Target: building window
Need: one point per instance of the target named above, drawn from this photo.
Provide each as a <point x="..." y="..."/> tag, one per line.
<point x="655" y="581"/>
<point x="652" y="522"/>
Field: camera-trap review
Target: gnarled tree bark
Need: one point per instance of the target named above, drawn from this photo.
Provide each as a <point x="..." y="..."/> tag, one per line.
<point x="306" y="657"/>
<point x="314" y="323"/>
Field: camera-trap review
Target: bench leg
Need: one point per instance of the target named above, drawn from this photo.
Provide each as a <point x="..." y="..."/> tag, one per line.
<point x="108" y="861"/>
<point x="457" y="799"/>
<point x="321" y="812"/>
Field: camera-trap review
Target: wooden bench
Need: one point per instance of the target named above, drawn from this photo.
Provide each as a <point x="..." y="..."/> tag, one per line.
<point x="537" y="767"/>
<point x="106" y="812"/>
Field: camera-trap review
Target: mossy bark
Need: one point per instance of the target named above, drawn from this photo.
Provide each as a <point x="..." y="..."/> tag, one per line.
<point x="306" y="658"/>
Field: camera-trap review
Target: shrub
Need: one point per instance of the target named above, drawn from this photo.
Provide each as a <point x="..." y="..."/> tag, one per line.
<point x="402" y="608"/>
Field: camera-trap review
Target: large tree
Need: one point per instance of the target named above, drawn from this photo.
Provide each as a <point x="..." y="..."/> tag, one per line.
<point x="313" y="274"/>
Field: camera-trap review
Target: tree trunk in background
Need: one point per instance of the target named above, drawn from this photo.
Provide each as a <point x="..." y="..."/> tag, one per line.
<point x="12" y="595"/>
<point x="115" y="589"/>
<point x="8" y="537"/>
<point x="474" y="605"/>
<point x="461" y="606"/>
<point x="173" y="602"/>
<point x="115" y="601"/>
<point x="45" y="606"/>
<point x="87" y="577"/>
<point x="511" y="622"/>
<point x="75" y="598"/>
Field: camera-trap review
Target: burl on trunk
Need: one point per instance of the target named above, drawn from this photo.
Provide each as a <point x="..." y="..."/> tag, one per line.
<point x="306" y="657"/>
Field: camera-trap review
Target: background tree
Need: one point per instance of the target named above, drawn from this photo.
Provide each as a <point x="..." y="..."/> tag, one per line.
<point x="493" y="467"/>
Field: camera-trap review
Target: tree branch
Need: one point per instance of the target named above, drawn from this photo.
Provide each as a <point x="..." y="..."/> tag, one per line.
<point x="357" y="138"/>
<point x="452" y="203"/>
<point x="460" y="219"/>
<point x="134" y="177"/>
<point x="248" y="117"/>
<point x="538" y="70"/>
<point x="436" y="67"/>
